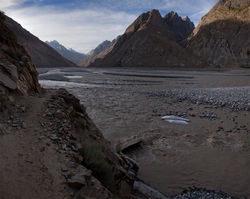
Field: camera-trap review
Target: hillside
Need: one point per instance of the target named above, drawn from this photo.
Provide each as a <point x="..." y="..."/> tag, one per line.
<point x="99" y="52"/>
<point x="41" y="54"/>
<point x="17" y="73"/>
<point x="222" y="36"/>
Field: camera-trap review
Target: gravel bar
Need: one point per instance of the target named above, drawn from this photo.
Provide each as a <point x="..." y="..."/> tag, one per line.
<point x="201" y="193"/>
<point x="236" y="98"/>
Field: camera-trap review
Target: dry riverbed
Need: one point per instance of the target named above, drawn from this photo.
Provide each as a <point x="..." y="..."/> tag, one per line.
<point x="212" y="151"/>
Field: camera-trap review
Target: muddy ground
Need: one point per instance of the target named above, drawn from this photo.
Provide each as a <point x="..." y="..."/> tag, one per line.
<point x="212" y="151"/>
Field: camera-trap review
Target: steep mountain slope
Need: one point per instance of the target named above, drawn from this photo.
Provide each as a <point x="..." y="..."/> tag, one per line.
<point x="17" y="73"/>
<point x="180" y="28"/>
<point x="42" y="55"/>
<point x="69" y="54"/>
<point x="99" y="52"/>
<point x="223" y="35"/>
<point x="148" y="42"/>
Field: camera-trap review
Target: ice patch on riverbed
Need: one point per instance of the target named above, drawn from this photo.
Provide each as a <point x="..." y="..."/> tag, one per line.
<point x="175" y="119"/>
<point x="73" y="76"/>
<point x="64" y="84"/>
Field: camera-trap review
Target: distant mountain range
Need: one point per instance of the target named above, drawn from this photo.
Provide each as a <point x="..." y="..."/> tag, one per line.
<point x="221" y="39"/>
<point x="42" y="55"/>
<point x="151" y="40"/>
<point x="70" y="54"/>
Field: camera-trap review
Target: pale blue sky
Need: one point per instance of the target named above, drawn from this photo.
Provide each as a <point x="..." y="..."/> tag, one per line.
<point x="82" y="24"/>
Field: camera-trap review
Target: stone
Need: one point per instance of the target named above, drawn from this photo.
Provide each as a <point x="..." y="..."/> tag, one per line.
<point x="24" y="125"/>
<point x="80" y="179"/>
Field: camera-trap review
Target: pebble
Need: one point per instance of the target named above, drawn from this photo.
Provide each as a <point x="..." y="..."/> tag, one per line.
<point x="201" y="193"/>
<point x="235" y="98"/>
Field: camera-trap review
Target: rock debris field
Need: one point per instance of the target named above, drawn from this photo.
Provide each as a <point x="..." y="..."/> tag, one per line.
<point x="237" y="98"/>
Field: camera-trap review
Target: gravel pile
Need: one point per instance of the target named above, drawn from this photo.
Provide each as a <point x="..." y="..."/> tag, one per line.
<point x="201" y="193"/>
<point x="237" y="98"/>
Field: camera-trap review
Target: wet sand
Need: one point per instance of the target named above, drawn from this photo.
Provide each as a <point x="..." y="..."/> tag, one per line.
<point x="213" y="151"/>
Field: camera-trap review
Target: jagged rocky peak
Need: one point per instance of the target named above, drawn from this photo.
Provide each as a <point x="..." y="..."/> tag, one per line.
<point x="147" y="19"/>
<point x="232" y="4"/>
<point x="69" y="54"/>
<point x="172" y="15"/>
<point x="101" y="47"/>
<point x="150" y="41"/>
<point x="181" y="28"/>
<point x="186" y="18"/>
<point x="54" y="42"/>
<point x="17" y="73"/>
<point x="99" y="52"/>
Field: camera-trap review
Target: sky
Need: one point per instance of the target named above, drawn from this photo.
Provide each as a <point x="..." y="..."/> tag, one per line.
<point x="83" y="24"/>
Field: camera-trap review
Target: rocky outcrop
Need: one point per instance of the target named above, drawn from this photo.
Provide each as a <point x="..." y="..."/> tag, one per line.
<point x="222" y="37"/>
<point x="17" y="73"/>
<point x="101" y="172"/>
<point x="99" y="52"/>
<point x="42" y="54"/>
<point x="149" y="42"/>
<point x="69" y="54"/>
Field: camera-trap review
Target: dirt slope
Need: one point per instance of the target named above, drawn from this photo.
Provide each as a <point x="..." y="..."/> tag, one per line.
<point x="45" y="157"/>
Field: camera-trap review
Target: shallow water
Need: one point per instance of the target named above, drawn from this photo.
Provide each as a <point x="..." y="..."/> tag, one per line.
<point x="64" y="84"/>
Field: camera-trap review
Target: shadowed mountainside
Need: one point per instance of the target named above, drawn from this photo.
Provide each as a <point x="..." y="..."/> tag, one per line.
<point x="180" y="28"/>
<point x="17" y="73"/>
<point x="41" y="54"/>
<point x="99" y="52"/>
<point x="149" y="42"/>
<point x="222" y="37"/>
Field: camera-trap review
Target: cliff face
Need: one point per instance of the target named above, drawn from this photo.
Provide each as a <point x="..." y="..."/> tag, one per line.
<point x="148" y="42"/>
<point x="17" y="73"/>
<point x="42" y="54"/>
<point x="96" y="154"/>
<point x="222" y="36"/>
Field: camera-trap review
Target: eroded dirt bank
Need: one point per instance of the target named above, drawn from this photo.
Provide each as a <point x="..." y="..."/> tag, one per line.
<point x="50" y="148"/>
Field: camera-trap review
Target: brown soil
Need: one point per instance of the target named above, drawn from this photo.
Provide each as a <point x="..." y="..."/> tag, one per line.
<point x="29" y="162"/>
